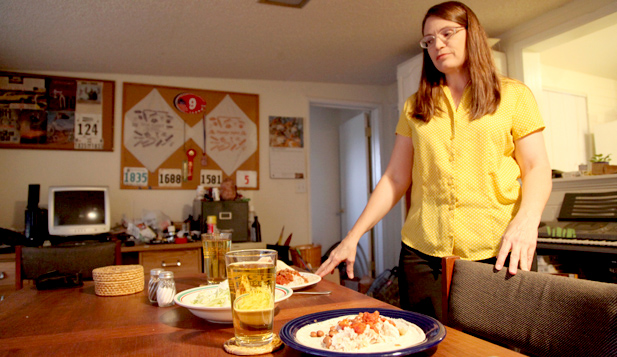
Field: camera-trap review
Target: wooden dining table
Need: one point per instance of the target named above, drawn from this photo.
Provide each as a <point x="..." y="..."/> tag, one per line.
<point x="76" y="322"/>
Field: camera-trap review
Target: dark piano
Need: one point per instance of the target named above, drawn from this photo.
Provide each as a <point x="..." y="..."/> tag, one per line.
<point x="583" y="239"/>
<point x="586" y="222"/>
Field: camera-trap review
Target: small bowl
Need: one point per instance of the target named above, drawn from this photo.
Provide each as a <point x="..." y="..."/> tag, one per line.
<point x="221" y="315"/>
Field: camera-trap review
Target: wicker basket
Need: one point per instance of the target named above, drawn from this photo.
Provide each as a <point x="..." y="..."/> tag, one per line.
<point x="117" y="280"/>
<point x="311" y="254"/>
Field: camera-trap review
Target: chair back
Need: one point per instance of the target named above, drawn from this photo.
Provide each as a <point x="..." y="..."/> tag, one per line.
<point x="32" y="262"/>
<point x="539" y="314"/>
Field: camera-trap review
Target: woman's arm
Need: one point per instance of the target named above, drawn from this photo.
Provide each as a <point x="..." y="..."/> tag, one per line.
<point x="521" y="236"/>
<point x="388" y="192"/>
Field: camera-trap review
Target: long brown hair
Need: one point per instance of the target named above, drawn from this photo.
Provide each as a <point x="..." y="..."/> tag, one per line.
<point x="485" y="86"/>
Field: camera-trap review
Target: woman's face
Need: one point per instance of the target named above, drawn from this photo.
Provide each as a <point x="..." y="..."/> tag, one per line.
<point x="449" y="55"/>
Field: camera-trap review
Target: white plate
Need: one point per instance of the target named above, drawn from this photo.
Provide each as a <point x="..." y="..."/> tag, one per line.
<point x="218" y="314"/>
<point x="312" y="280"/>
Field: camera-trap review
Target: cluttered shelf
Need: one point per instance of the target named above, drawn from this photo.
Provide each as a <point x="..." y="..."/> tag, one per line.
<point x="157" y="247"/>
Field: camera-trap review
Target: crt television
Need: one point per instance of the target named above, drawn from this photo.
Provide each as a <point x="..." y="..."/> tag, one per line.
<point x="78" y="210"/>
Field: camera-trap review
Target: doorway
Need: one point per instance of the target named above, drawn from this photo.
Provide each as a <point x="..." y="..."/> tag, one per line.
<point x="331" y="218"/>
<point x="355" y="183"/>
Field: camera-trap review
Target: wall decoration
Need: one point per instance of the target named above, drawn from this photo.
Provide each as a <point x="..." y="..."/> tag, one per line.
<point x="287" y="159"/>
<point x="179" y="138"/>
<point x="60" y="113"/>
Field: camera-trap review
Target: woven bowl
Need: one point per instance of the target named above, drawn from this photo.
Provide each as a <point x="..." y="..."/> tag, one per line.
<point x="117" y="280"/>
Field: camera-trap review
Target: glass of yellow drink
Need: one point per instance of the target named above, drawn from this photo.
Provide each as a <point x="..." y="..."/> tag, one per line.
<point x="252" y="278"/>
<point x="215" y="246"/>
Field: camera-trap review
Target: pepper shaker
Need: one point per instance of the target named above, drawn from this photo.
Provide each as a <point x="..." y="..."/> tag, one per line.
<point x="166" y="289"/>
<point x="153" y="284"/>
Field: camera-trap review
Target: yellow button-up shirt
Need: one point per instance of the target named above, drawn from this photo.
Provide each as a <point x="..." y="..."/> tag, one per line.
<point x="465" y="187"/>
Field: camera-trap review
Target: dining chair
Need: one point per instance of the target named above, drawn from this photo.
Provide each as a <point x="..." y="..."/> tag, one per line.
<point x="535" y="313"/>
<point x="32" y="262"/>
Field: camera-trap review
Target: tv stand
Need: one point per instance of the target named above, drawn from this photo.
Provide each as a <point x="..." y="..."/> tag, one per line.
<point x="79" y="240"/>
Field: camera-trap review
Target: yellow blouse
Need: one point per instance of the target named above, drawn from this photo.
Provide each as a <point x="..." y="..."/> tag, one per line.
<point x="465" y="187"/>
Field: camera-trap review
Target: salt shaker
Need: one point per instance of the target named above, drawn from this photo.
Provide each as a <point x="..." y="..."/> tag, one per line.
<point x="166" y="289"/>
<point x="153" y="284"/>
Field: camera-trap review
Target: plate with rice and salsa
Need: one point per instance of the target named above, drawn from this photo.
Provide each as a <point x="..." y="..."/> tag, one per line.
<point x="362" y="331"/>
<point x="295" y="280"/>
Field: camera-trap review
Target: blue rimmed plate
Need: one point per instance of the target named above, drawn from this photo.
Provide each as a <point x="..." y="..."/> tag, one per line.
<point x="435" y="332"/>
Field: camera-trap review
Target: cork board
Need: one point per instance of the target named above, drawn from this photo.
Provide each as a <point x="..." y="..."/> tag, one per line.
<point x="56" y="113"/>
<point x="180" y="138"/>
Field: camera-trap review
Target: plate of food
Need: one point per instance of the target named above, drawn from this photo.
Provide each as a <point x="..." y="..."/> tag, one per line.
<point x="291" y="278"/>
<point x="213" y="302"/>
<point x="362" y="331"/>
<point x="296" y="280"/>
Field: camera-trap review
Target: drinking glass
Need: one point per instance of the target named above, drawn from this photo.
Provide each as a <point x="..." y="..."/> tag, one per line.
<point x="215" y="246"/>
<point x="252" y="278"/>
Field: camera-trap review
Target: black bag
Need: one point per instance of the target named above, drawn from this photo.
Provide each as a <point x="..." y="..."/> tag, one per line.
<point x="56" y="280"/>
<point x="385" y="287"/>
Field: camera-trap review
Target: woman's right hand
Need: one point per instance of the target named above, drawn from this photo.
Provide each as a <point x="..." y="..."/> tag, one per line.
<point x="387" y="193"/>
<point x="346" y="251"/>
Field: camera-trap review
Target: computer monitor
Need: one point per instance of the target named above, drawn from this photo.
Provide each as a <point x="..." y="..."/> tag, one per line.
<point x="78" y="210"/>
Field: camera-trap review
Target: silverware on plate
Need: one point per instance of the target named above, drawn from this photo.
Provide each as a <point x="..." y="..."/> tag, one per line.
<point x="313" y="292"/>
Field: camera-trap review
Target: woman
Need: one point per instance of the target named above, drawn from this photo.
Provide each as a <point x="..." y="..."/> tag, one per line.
<point x="463" y="141"/>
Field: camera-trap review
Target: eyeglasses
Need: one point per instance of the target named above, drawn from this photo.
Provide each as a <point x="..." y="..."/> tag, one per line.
<point x="444" y="35"/>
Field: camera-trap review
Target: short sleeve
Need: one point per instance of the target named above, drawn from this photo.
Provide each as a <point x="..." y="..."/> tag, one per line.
<point x="403" y="127"/>
<point x="527" y="117"/>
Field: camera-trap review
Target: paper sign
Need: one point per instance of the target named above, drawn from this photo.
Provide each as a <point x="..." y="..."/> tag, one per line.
<point x="170" y="177"/>
<point x="152" y="131"/>
<point x="211" y="178"/>
<point x="88" y="131"/>
<point x="231" y="137"/>
<point x="135" y="176"/>
<point x="246" y="178"/>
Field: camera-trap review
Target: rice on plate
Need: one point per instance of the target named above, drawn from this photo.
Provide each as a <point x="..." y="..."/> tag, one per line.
<point x="289" y="277"/>
<point x="365" y="332"/>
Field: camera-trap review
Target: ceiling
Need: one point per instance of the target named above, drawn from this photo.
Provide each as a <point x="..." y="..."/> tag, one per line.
<point x="341" y="41"/>
<point x="594" y="46"/>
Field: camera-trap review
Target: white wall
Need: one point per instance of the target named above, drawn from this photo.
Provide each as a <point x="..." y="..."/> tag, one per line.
<point x="276" y="202"/>
<point x="524" y="44"/>
<point x="601" y="97"/>
<point x="550" y="25"/>
<point x="601" y="92"/>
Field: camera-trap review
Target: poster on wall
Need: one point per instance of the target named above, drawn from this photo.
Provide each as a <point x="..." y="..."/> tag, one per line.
<point x="287" y="159"/>
<point x="180" y="138"/>
<point x="62" y="113"/>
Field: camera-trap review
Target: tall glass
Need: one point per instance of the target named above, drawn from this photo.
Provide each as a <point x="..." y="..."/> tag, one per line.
<point x="215" y="246"/>
<point x="252" y="278"/>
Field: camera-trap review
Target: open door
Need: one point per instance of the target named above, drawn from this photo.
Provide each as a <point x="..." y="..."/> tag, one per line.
<point x="355" y="184"/>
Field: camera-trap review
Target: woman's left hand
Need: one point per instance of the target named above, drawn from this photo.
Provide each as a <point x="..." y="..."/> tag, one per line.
<point x="520" y="240"/>
<point x="521" y="235"/>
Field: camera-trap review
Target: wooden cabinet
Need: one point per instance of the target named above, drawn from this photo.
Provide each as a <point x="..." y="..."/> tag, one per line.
<point x="179" y="258"/>
<point x="7" y="274"/>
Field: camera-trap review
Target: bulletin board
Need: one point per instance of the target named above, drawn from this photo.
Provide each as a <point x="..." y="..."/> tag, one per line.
<point x="57" y="113"/>
<point x="180" y="138"/>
